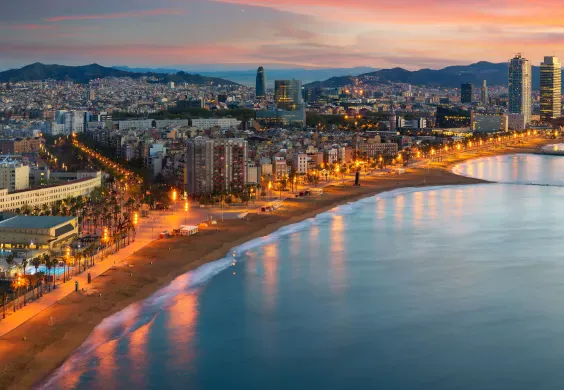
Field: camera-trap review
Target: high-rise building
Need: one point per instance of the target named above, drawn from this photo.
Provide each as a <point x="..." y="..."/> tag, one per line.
<point x="261" y="83"/>
<point x="550" y="89"/>
<point x="216" y="165"/>
<point x="520" y="87"/>
<point x="466" y="91"/>
<point x="288" y="97"/>
<point x="484" y="95"/>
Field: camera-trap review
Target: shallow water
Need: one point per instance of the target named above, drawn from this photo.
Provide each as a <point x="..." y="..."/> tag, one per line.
<point x="441" y="288"/>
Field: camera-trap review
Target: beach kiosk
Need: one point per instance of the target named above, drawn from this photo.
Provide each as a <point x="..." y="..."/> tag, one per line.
<point x="188" y="230"/>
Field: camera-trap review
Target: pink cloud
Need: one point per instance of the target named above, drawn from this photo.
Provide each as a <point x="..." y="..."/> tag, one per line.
<point x="119" y="15"/>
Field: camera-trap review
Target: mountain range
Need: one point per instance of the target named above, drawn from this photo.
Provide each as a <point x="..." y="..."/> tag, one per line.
<point x="451" y="76"/>
<point x="248" y="77"/>
<point x="83" y="74"/>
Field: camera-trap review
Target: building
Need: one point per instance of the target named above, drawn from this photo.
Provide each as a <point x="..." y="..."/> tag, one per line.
<point x="216" y="165"/>
<point x="516" y="122"/>
<point x="489" y="123"/>
<point x="229" y="165"/>
<point x="20" y="145"/>
<point x="550" y="89"/>
<point x="466" y="91"/>
<point x="261" y="84"/>
<point x="14" y="176"/>
<point x="223" y="123"/>
<point x="288" y="97"/>
<point x="299" y="163"/>
<point x="484" y="99"/>
<point x="520" y="87"/>
<point x="452" y="117"/>
<point x="48" y="194"/>
<point x="32" y="232"/>
<point x="199" y="166"/>
<point x="280" y="168"/>
<point x="379" y="149"/>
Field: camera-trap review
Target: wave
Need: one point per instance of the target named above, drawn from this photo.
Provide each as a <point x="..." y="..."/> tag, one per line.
<point x="140" y="314"/>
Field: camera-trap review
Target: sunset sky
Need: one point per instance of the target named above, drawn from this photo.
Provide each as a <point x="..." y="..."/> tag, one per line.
<point x="284" y="33"/>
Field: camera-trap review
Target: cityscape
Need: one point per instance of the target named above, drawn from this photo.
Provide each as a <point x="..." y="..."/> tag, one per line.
<point x="209" y="225"/>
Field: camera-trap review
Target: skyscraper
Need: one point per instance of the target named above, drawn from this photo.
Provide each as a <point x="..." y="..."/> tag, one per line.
<point x="288" y="97"/>
<point x="466" y="91"/>
<point x="520" y="87"/>
<point x="550" y="89"/>
<point x="484" y="95"/>
<point x="261" y="83"/>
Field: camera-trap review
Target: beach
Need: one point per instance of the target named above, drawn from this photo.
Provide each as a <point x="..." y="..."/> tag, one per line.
<point x="32" y="351"/>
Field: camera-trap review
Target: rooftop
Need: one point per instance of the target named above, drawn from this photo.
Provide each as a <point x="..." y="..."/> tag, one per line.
<point x="34" y="222"/>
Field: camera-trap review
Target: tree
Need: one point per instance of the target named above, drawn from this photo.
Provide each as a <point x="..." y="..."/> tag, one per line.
<point x="48" y="264"/>
<point x="10" y="260"/>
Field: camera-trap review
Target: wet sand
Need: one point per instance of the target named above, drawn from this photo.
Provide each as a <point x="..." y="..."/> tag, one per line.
<point x="52" y="335"/>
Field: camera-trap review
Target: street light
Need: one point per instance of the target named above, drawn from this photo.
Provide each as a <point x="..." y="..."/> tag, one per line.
<point x="185" y="211"/>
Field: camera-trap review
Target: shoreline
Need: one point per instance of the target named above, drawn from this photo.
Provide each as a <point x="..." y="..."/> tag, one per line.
<point x="29" y="362"/>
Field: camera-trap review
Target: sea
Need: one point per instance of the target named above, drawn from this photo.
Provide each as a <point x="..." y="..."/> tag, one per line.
<point x="452" y="287"/>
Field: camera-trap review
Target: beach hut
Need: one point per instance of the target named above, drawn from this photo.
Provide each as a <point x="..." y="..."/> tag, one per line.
<point x="188" y="230"/>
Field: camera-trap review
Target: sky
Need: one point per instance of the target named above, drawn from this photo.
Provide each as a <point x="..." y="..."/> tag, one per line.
<point x="243" y="34"/>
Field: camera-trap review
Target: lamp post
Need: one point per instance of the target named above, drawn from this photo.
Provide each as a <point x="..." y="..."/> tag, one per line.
<point x="185" y="211"/>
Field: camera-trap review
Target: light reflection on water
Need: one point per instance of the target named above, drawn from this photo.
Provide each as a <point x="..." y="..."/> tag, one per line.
<point x="452" y="287"/>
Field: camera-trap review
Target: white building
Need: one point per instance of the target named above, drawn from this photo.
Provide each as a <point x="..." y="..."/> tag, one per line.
<point x="520" y="79"/>
<point x="223" y="123"/>
<point x="48" y="194"/>
<point x="299" y="162"/>
<point x="137" y="124"/>
<point x="14" y="176"/>
<point x="489" y="123"/>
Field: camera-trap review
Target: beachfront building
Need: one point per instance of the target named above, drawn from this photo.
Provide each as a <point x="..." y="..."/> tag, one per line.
<point x="32" y="232"/>
<point x="216" y="165"/>
<point x="47" y="195"/>
<point x="383" y="149"/>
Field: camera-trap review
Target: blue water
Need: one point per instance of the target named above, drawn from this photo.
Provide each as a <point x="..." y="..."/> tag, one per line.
<point x="438" y="288"/>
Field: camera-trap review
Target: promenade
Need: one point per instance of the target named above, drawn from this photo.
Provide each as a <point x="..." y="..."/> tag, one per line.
<point x="147" y="231"/>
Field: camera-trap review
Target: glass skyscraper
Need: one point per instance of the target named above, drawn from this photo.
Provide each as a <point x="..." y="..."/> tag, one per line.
<point x="550" y="89"/>
<point x="520" y="87"/>
<point x="261" y="83"/>
<point x="288" y="97"/>
<point x="466" y="91"/>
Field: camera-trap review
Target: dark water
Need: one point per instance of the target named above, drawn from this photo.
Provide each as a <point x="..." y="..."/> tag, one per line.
<point x="442" y="288"/>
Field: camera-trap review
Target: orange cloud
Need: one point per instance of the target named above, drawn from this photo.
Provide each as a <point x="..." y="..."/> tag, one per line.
<point x="119" y="15"/>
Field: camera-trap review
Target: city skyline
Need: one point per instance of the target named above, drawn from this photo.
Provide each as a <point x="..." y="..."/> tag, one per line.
<point x="311" y="33"/>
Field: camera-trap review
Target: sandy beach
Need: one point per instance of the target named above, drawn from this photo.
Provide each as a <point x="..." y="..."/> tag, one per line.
<point x="51" y="336"/>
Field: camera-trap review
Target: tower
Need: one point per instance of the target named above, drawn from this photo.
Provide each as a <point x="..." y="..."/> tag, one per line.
<point x="466" y="91"/>
<point x="261" y="83"/>
<point x="550" y="89"/>
<point x="484" y="95"/>
<point x="520" y="87"/>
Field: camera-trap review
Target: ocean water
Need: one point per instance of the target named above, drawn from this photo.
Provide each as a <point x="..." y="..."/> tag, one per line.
<point x="436" y="288"/>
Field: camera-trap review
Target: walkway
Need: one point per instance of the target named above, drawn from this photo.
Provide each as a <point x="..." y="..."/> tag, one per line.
<point x="148" y="230"/>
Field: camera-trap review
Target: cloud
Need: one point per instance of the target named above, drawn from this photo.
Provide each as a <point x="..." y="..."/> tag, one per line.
<point x="28" y="27"/>
<point x="118" y="15"/>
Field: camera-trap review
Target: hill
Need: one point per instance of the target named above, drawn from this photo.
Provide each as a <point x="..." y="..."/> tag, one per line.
<point x="451" y="76"/>
<point x="83" y="74"/>
<point x="248" y="77"/>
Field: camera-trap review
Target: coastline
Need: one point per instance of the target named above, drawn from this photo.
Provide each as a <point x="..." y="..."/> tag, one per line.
<point x="27" y="362"/>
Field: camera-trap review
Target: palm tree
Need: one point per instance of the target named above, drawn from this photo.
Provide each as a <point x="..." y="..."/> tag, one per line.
<point x="48" y="264"/>
<point x="10" y="260"/>
<point x="24" y="264"/>
<point x="36" y="262"/>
